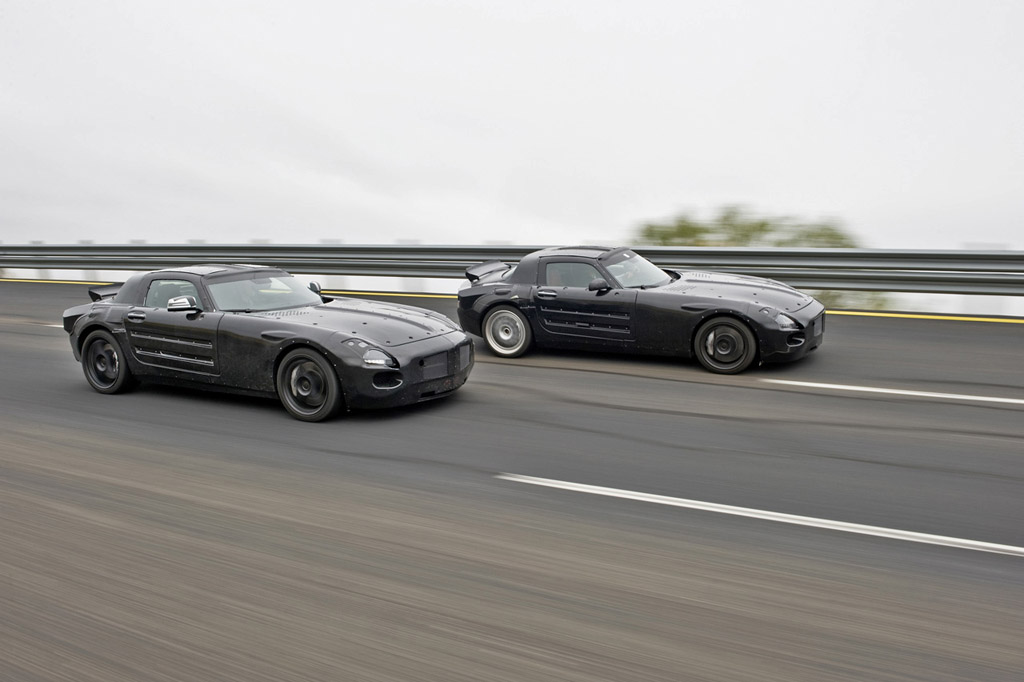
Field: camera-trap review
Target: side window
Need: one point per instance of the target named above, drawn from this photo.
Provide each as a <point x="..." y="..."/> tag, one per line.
<point x="163" y="290"/>
<point x="570" y="274"/>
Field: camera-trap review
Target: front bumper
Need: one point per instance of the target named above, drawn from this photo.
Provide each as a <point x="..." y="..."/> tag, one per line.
<point x="428" y="369"/>
<point x="786" y="346"/>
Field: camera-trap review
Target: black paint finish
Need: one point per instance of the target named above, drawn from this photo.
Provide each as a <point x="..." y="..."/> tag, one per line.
<point x="427" y="356"/>
<point x="657" y="319"/>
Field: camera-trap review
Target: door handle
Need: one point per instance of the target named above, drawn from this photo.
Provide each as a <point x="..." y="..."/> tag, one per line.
<point x="135" y="317"/>
<point x="547" y="293"/>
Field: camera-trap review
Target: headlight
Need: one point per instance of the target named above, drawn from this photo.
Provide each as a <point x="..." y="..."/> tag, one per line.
<point x="786" y="322"/>
<point x="379" y="357"/>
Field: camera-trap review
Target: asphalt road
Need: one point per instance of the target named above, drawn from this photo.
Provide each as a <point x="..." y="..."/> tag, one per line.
<point x="169" y="534"/>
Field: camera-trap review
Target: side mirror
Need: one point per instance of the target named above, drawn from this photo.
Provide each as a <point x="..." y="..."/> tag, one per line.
<point x="315" y="288"/>
<point x="598" y="284"/>
<point x="183" y="303"/>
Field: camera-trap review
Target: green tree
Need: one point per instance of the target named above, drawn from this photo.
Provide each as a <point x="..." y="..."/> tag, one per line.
<point x="736" y="226"/>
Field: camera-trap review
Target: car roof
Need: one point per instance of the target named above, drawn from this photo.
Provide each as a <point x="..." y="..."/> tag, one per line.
<point x="598" y="252"/>
<point x="216" y="269"/>
<point x="526" y="271"/>
<point x="583" y="251"/>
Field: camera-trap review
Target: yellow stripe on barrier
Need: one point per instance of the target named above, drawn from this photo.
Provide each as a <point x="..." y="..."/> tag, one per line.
<point x="55" y="281"/>
<point x="387" y="293"/>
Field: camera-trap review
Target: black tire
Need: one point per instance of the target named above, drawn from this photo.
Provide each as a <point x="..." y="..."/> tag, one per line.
<point x="104" y="365"/>
<point x="307" y="386"/>
<point x="507" y="332"/>
<point x="724" y="345"/>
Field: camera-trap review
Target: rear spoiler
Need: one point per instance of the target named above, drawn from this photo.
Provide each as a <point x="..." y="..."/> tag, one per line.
<point x="104" y="291"/>
<point x="475" y="272"/>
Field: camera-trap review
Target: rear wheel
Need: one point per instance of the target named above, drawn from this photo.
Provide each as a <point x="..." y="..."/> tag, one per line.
<point x="725" y="345"/>
<point x="103" y="365"/>
<point x="507" y="332"/>
<point x="307" y="386"/>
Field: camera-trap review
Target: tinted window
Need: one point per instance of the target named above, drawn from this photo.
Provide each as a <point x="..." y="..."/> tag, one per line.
<point x="163" y="290"/>
<point x="570" y="274"/>
<point x="633" y="271"/>
<point x="257" y="292"/>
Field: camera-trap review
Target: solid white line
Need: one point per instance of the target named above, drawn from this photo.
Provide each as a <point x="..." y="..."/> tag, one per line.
<point x="905" y="535"/>
<point x="893" y="391"/>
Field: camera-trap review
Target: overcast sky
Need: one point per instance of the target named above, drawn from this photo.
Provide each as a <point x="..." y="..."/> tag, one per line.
<point x="535" y="122"/>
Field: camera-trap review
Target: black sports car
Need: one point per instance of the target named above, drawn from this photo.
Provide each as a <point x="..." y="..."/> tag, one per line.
<point x="600" y="298"/>
<point x="260" y="331"/>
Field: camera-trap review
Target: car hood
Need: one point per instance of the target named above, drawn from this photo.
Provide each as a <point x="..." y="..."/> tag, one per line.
<point x="385" y="324"/>
<point x="739" y="288"/>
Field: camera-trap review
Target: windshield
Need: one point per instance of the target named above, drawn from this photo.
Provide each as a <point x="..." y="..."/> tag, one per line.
<point x="259" y="293"/>
<point x="633" y="271"/>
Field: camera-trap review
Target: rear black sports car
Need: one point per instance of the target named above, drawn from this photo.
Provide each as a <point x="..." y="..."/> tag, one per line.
<point x="600" y="298"/>
<point x="260" y="331"/>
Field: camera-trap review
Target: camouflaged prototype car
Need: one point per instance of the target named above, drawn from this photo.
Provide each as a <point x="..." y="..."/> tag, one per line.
<point x="600" y="298"/>
<point x="260" y="331"/>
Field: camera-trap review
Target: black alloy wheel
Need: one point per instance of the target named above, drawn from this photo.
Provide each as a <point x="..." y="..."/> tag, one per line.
<point x="101" y="361"/>
<point x="307" y="386"/>
<point x="725" y="345"/>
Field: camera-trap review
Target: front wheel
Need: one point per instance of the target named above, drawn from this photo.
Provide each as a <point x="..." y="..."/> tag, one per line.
<point x="104" y="368"/>
<point x="307" y="386"/>
<point x="725" y="346"/>
<point x="507" y="332"/>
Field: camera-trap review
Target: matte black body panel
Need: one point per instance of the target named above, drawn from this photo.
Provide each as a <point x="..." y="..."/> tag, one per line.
<point x="574" y="316"/>
<point x="239" y="351"/>
<point x="660" y="320"/>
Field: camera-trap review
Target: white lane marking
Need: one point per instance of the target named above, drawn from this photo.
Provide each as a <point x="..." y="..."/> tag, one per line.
<point x="58" y="326"/>
<point x="908" y="536"/>
<point x="894" y="391"/>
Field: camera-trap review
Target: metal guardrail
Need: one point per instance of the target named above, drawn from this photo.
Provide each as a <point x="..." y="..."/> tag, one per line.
<point x="949" y="272"/>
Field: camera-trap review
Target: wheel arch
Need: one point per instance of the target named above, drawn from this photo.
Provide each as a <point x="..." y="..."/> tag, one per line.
<point x="95" y="327"/>
<point x="731" y="314"/>
<point x="308" y="345"/>
<point x="510" y="303"/>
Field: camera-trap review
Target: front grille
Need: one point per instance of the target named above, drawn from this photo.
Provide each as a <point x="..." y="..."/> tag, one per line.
<point x="434" y="366"/>
<point x="448" y="363"/>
